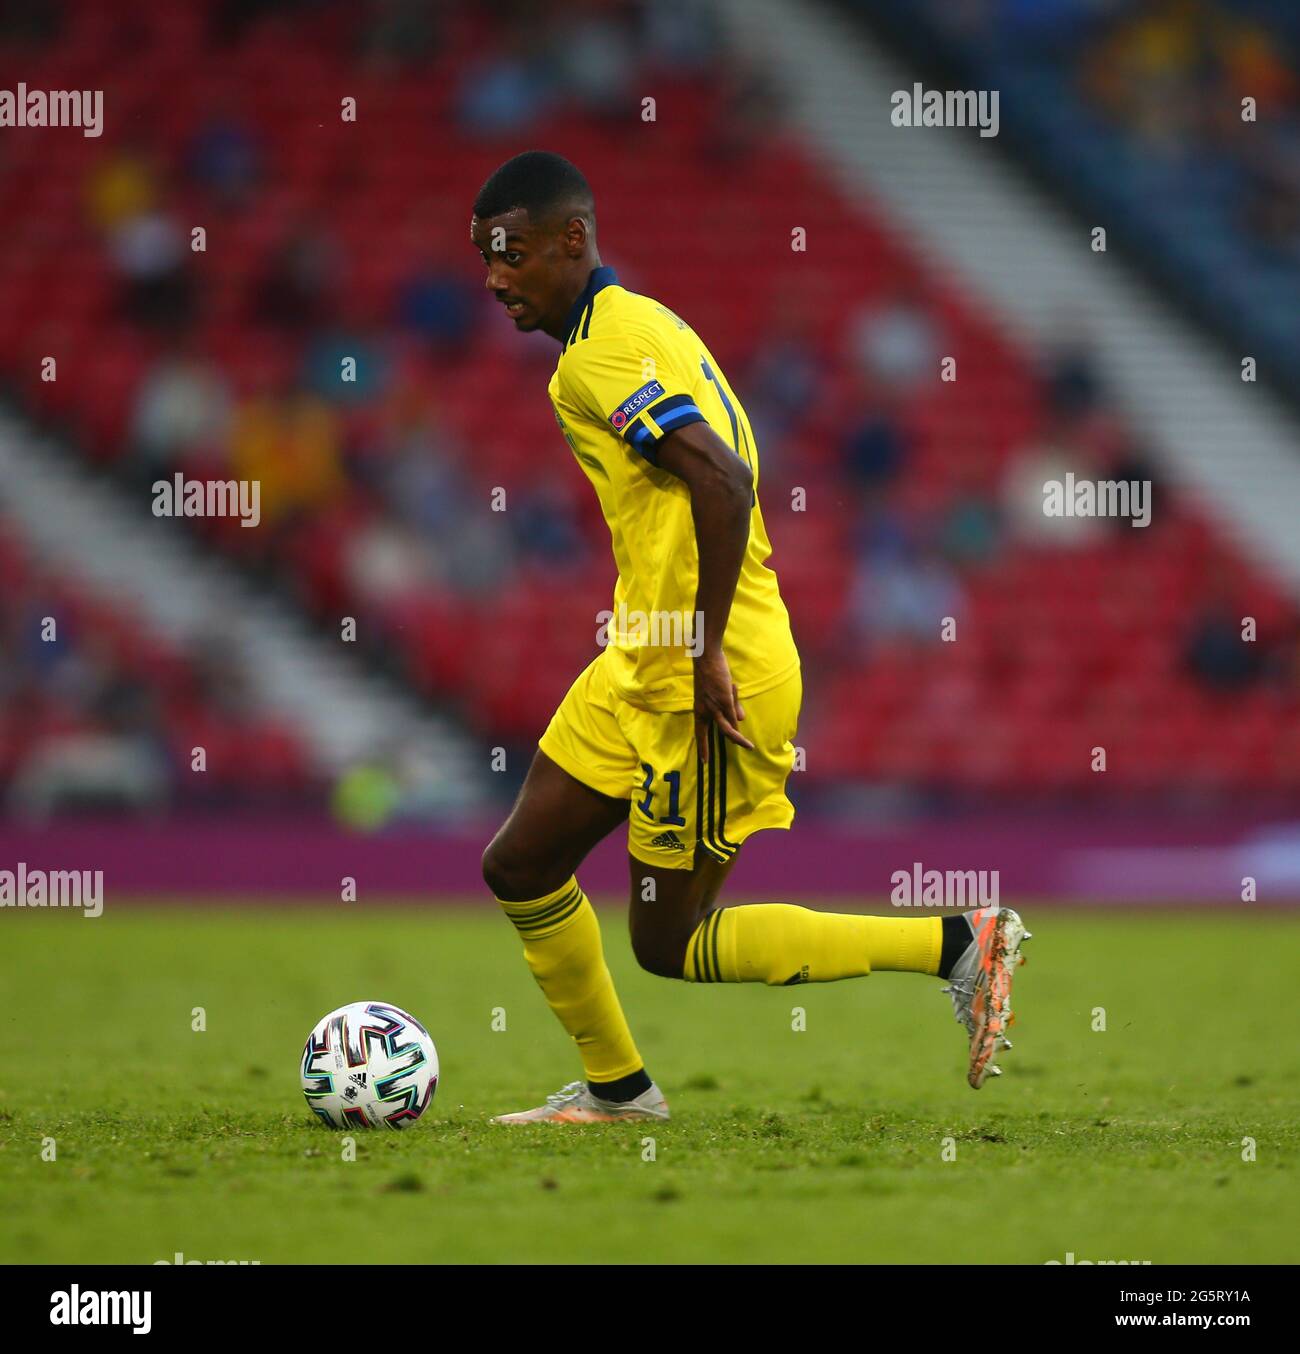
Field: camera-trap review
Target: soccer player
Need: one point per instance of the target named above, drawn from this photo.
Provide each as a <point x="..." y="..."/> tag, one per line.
<point x="683" y="726"/>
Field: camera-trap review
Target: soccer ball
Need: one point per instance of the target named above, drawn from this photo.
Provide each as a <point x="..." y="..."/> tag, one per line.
<point x="369" y="1064"/>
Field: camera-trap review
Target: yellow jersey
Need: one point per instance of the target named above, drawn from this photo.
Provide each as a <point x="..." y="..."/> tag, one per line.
<point x="630" y="372"/>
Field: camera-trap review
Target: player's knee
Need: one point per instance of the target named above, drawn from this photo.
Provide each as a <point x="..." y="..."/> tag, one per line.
<point x="517" y="874"/>
<point x="507" y="873"/>
<point x="664" y="955"/>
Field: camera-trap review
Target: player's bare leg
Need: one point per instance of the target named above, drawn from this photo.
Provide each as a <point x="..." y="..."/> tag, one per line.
<point x="663" y="918"/>
<point x="550" y="831"/>
<point x="530" y="867"/>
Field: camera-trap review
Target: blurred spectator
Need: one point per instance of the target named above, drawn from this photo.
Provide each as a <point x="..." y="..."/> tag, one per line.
<point x="1270" y="206"/>
<point x="365" y="797"/>
<point x="87" y="731"/>
<point x="151" y="256"/>
<point x="27" y="603"/>
<point x="364" y="351"/>
<point x="545" y="523"/>
<point x="1150" y="73"/>
<point x="881" y="533"/>
<point x="874" y="447"/>
<point x="436" y="303"/>
<point x="749" y="108"/>
<point x="422" y="488"/>
<point x="181" y="408"/>
<point x="225" y="158"/>
<point x="591" y="53"/>
<point x="290" y="443"/>
<point x="416" y="474"/>
<point x="297" y="287"/>
<point x="899" y="590"/>
<point x="90" y="769"/>
<point x="783" y="378"/>
<point x="402" y="780"/>
<point x="1131" y="463"/>
<point x="220" y="657"/>
<point x="386" y="564"/>
<point x="906" y="597"/>
<point x="1216" y="655"/>
<point x="970" y="530"/>
<point x="896" y="341"/>
<point x="1024" y="486"/>
<point x="681" y="36"/>
<point x="505" y="93"/>
<point x="120" y="187"/>
<point x="147" y="248"/>
<point x="1071" y="379"/>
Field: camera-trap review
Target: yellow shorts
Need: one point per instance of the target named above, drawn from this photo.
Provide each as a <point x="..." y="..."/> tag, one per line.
<point x="678" y="804"/>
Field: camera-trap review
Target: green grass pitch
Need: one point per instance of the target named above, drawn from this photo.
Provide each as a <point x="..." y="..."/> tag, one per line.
<point x="821" y="1144"/>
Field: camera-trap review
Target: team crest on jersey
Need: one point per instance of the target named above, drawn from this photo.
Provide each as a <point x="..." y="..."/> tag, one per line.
<point x="633" y="405"/>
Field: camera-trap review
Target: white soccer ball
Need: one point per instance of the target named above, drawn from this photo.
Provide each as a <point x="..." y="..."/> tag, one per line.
<point x="369" y="1064"/>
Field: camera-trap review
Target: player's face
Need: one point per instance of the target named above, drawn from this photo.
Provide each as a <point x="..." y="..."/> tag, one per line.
<point x="525" y="269"/>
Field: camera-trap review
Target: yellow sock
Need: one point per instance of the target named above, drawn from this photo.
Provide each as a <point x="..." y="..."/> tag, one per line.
<point x="780" y="944"/>
<point x="562" y="945"/>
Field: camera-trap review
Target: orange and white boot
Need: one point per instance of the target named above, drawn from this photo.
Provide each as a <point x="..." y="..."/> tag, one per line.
<point x="980" y="986"/>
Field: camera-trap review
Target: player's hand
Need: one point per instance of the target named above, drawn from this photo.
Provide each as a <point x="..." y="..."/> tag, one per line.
<point x="716" y="702"/>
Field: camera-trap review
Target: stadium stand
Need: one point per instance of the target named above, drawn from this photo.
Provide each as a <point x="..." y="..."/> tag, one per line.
<point x="327" y="238"/>
<point x="1174" y="120"/>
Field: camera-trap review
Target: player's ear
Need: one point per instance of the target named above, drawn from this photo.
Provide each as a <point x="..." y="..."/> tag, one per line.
<point x="575" y="237"/>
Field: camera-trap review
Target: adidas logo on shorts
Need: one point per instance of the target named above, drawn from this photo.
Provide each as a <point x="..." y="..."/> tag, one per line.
<point x="670" y="840"/>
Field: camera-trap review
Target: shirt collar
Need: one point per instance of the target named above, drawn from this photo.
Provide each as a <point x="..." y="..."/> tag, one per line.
<point x="600" y="278"/>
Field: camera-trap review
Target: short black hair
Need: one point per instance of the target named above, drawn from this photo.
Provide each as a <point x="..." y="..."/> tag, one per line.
<point x="542" y="183"/>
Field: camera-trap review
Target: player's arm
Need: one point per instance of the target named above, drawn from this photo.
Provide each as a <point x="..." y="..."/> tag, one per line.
<point x="722" y="493"/>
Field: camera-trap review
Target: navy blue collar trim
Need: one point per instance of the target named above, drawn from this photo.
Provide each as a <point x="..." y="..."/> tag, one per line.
<point x="600" y="278"/>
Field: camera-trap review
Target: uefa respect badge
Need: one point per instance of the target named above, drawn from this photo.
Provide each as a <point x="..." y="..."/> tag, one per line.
<point x="633" y="405"/>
